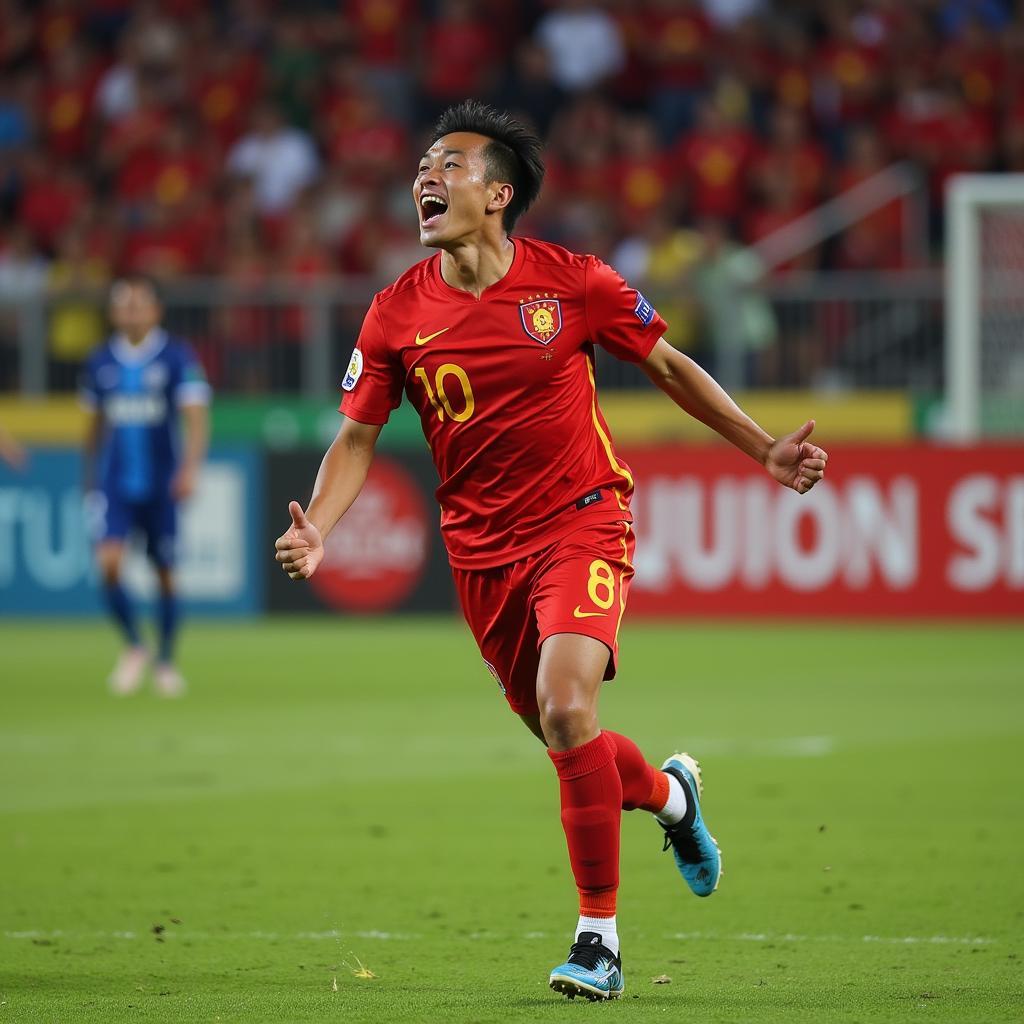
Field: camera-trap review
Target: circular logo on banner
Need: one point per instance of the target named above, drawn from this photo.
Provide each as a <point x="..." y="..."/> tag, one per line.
<point x="377" y="553"/>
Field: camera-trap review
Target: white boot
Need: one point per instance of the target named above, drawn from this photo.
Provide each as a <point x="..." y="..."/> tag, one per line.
<point x="168" y="681"/>
<point x="126" y="677"/>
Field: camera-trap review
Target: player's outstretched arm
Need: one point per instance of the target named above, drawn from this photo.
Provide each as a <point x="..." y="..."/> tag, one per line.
<point x="792" y="460"/>
<point x="300" y="549"/>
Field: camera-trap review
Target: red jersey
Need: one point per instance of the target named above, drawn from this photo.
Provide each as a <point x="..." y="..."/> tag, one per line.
<point x="504" y="386"/>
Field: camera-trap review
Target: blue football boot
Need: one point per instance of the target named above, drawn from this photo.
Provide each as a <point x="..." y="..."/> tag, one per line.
<point x="591" y="971"/>
<point x="693" y="846"/>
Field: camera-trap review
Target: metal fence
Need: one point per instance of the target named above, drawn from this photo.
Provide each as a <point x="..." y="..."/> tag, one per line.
<point x="839" y="330"/>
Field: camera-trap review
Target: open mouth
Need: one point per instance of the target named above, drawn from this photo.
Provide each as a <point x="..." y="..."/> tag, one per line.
<point x="432" y="209"/>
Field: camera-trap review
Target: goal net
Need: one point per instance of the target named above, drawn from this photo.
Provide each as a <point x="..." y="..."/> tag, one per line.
<point x="985" y="306"/>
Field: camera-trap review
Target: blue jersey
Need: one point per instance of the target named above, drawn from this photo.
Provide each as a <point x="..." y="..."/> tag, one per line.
<point x="139" y="389"/>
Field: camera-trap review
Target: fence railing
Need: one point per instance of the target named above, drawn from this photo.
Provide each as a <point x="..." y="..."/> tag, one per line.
<point x="838" y="330"/>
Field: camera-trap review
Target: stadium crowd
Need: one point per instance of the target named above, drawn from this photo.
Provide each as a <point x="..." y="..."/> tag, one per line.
<point x="253" y="138"/>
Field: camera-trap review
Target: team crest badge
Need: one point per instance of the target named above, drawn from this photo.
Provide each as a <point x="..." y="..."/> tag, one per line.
<point x="542" y="319"/>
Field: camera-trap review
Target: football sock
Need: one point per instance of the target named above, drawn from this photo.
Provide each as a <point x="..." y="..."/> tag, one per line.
<point x="643" y="785"/>
<point x="167" y="620"/>
<point x="674" y="809"/>
<point x="121" y="609"/>
<point x="604" y="926"/>
<point x="591" y="797"/>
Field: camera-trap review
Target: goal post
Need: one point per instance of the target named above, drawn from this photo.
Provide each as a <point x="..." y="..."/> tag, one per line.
<point x="985" y="306"/>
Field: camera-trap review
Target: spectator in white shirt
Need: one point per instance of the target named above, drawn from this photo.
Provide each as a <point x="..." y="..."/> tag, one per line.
<point x="583" y="44"/>
<point x="280" y="160"/>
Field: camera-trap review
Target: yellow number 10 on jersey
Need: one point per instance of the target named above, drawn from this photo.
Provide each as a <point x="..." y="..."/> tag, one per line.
<point x="440" y="400"/>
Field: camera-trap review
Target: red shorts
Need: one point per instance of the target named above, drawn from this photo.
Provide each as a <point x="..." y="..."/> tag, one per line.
<point x="577" y="585"/>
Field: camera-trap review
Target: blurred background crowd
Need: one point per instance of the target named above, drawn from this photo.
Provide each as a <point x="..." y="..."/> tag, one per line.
<point x="251" y="139"/>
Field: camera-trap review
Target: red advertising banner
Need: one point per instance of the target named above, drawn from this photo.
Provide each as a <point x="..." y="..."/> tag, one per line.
<point x="892" y="531"/>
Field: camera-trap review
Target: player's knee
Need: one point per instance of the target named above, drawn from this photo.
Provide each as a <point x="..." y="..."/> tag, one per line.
<point x="566" y="722"/>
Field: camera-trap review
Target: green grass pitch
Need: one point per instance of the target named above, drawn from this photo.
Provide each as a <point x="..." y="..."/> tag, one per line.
<point x="341" y="793"/>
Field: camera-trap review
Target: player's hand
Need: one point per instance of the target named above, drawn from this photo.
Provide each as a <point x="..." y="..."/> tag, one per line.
<point x="300" y="549"/>
<point x="795" y="462"/>
<point x="183" y="486"/>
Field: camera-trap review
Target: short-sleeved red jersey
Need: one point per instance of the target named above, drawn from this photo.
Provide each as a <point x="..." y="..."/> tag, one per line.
<point x="504" y="386"/>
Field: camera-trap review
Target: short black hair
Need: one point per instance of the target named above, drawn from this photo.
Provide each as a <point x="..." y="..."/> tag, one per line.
<point x="138" y="280"/>
<point x="513" y="154"/>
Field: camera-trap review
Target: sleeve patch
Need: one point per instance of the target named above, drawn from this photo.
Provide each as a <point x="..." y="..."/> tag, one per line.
<point x="644" y="310"/>
<point x="354" y="372"/>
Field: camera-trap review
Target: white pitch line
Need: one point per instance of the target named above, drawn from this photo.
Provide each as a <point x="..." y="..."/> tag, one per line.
<point x="888" y="940"/>
<point x="338" y="934"/>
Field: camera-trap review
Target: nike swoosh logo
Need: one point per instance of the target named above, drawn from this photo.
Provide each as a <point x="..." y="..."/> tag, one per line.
<point x="429" y="337"/>
<point x="585" y="615"/>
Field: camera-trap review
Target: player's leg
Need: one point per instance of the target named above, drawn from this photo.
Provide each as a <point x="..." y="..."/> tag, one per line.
<point x="580" y="596"/>
<point x="572" y="668"/>
<point x="161" y="543"/>
<point x="109" y="524"/>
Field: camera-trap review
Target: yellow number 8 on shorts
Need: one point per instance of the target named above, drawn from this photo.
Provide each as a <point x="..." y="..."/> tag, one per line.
<point x="601" y="585"/>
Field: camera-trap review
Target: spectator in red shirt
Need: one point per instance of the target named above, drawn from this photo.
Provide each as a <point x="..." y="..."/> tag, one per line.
<point x="163" y="245"/>
<point x="225" y="90"/>
<point x="66" y="103"/>
<point x="679" y="46"/>
<point x="384" y="32"/>
<point x="789" y="153"/>
<point x="642" y="172"/>
<point x="180" y="167"/>
<point x="975" y="62"/>
<point x="458" y="57"/>
<point x="966" y="140"/>
<point x="130" y="148"/>
<point x="362" y="249"/>
<point x="57" y="24"/>
<point x="713" y="162"/>
<point x="52" y="195"/>
<point x="848" y="71"/>
<point x="790" y="62"/>
<point x="874" y="242"/>
<point x="368" y="143"/>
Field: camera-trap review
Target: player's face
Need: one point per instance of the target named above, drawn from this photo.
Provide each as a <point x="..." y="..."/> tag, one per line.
<point x="452" y="190"/>
<point x="134" y="309"/>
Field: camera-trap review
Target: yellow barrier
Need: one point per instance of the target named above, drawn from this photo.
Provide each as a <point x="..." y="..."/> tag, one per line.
<point x="642" y="417"/>
<point x="635" y="417"/>
<point x="50" y="421"/>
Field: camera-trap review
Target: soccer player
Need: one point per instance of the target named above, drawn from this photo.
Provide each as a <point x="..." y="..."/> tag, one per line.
<point x="136" y="387"/>
<point x="493" y="341"/>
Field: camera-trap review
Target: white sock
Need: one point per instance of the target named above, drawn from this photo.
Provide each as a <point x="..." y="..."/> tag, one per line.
<point x="604" y="926"/>
<point x="675" y="809"/>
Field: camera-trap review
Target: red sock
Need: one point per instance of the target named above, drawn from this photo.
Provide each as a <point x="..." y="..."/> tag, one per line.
<point x="591" y="793"/>
<point x="643" y="785"/>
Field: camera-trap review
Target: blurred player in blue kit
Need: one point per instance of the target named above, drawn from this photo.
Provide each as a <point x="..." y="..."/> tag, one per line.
<point x="141" y="386"/>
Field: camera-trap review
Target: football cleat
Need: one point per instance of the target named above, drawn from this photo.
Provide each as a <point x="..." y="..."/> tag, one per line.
<point x="168" y="681"/>
<point x="694" y="847"/>
<point x="592" y="971"/>
<point x="126" y="676"/>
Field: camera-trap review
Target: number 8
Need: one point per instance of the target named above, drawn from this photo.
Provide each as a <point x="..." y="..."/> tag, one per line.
<point x="601" y="578"/>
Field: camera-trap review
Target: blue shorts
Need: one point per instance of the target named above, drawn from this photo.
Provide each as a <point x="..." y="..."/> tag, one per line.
<point x="113" y="518"/>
